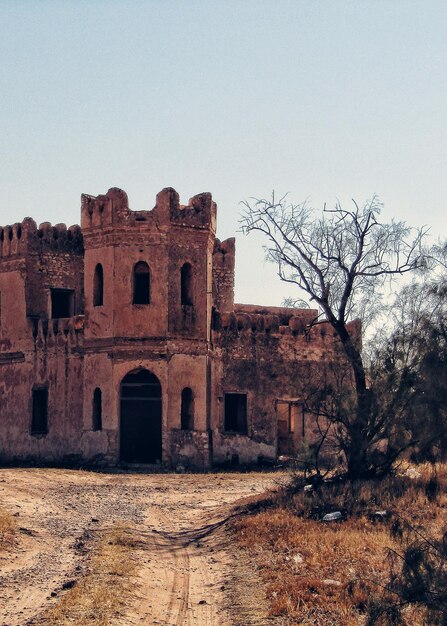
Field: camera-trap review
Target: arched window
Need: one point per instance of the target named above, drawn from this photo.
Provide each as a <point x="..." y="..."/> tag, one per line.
<point x="186" y="284"/>
<point x="39" y="421"/>
<point x="187" y="410"/>
<point x="97" y="409"/>
<point x="141" y="283"/>
<point x="98" y="286"/>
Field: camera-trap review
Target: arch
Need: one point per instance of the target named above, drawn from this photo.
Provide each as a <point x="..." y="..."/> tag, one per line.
<point x="140" y="417"/>
<point x="186" y="282"/>
<point x="141" y="283"/>
<point x="187" y="409"/>
<point x="98" y="286"/>
<point x="97" y="409"/>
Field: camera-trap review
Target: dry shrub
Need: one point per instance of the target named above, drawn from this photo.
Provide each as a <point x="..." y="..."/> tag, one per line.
<point x="8" y="530"/>
<point x="419" y="498"/>
<point x="308" y="565"/>
<point x="326" y="573"/>
<point x="418" y="578"/>
<point x="99" y="595"/>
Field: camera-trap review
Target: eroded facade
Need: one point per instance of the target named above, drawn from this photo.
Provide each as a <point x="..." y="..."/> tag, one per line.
<point x="120" y="342"/>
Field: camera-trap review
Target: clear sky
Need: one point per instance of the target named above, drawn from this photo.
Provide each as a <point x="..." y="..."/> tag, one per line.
<point x="321" y="99"/>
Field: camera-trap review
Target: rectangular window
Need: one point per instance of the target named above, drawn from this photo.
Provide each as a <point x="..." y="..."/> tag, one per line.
<point x="39" y="422"/>
<point x="235" y="405"/>
<point x="62" y="303"/>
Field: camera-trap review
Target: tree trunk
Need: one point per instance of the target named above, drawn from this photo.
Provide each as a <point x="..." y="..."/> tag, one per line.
<point x="356" y="448"/>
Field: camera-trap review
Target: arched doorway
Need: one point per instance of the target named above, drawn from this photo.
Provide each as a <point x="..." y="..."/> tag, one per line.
<point x="140" y="423"/>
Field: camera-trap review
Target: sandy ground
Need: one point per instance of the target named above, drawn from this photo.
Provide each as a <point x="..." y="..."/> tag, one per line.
<point x="186" y="563"/>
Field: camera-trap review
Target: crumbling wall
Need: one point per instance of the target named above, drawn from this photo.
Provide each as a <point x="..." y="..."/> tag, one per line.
<point x="273" y="355"/>
<point x="53" y="362"/>
<point x="54" y="260"/>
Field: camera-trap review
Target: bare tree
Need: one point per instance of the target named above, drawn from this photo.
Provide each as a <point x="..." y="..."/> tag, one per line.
<point x="342" y="260"/>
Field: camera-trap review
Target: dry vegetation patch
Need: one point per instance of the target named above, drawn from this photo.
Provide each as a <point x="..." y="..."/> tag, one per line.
<point x="325" y="573"/>
<point x="8" y="530"/>
<point x="99" y="595"/>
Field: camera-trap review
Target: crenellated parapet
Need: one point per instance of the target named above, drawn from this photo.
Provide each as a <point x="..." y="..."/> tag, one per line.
<point x="58" y="238"/>
<point x="12" y="241"/>
<point x="274" y="323"/>
<point x="104" y="210"/>
<point x="200" y="212"/>
<point x="20" y="239"/>
<point x="101" y="211"/>
<point x="223" y="274"/>
<point x="291" y="325"/>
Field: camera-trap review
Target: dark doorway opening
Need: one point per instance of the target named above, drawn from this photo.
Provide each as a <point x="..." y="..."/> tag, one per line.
<point x="141" y="418"/>
<point x="235" y="413"/>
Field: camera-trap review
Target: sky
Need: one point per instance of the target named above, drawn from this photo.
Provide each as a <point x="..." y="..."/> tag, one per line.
<point x="324" y="100"/>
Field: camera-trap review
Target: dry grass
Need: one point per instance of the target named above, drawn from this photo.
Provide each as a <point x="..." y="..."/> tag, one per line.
<point x="325" y="573"/>
<point x="8" y="530"/>
<point x="99" y="595"/>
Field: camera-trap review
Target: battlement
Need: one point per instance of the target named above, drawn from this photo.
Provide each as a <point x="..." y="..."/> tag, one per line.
<point x="113" y="209"/>
<point x="19" y="238"/>
<point x="302" y="317"/>
<point x="200" y="211"/>
<point x="251" y="320"/>
<point x="104" y="210"/>
<point x="224" y="253"/>
<point x="240" y="321"/>
<point x="223" y="274"/>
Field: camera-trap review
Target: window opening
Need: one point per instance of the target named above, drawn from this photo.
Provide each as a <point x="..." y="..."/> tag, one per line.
<point x="98" y="286"/>
<point x="62" y="303"/>
<point x="39" y="421"/>
<point x="141" y="283"/>
<point x="187" y="410"/>
<point x="236" y="412"/>
<point x="97" y="409"/>
<point x="186" y="284"/>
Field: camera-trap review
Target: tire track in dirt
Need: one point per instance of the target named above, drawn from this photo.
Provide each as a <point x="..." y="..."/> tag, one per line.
<point x="181" y="554"/>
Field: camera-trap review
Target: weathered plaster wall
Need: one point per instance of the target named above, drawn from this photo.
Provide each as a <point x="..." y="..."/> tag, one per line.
<point x="269" y="355"/>
<point x="53" y="362"/>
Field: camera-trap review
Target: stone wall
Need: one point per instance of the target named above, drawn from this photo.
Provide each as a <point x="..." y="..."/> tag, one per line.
<point x="271" y="356"/>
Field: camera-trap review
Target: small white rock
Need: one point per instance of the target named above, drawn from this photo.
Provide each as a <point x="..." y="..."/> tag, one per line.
<point x="412" y="473"/>
<point x="330" y="581"/>
<point x="331" y="517"/>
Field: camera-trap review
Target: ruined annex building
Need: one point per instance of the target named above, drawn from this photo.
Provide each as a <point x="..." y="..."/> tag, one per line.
<point x="120" y="343"/>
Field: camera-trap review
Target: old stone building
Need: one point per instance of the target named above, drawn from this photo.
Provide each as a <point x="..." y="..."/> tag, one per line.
<point x="120" y="342"/>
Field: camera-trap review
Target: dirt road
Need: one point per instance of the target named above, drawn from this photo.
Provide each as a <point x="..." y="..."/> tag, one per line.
<point x="184" y="562"/>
